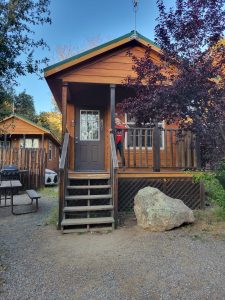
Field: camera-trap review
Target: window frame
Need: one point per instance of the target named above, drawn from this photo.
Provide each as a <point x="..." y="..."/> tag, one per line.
<point x="137" y="146"/>
<point x="32" y="143"/>
<point x="99" y="120"/>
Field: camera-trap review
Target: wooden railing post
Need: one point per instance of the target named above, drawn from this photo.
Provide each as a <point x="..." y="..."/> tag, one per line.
<point x="156" y="148"/>
<point x="112" y="105"/>
<point x="114" y="177"/>
<point x="61" y="196"/>
<point x="62" y="177"/>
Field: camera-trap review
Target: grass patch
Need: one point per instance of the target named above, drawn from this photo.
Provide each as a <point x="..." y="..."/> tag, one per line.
<point x="210" y="216"/>
<point x="209" y="223"/>
<point x="49" y="192"/>
<point x="52" y="218"/>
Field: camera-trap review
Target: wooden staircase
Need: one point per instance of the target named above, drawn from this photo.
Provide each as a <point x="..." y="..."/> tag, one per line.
<point x="88" y="204"/>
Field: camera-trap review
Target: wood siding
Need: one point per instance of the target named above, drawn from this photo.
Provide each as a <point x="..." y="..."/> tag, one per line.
<point x="111" y="68"/>
<point x="53" y="163"/>
<point x="18" y="126"/>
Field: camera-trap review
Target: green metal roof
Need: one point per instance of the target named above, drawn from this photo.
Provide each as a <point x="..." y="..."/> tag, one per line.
<point x="133" y="34"/>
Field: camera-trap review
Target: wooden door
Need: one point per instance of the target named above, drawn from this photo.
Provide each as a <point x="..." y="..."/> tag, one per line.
<point x="89" y="140"/>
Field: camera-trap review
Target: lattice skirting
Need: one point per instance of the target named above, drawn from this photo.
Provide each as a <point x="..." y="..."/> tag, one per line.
<point x="180" y="188"/>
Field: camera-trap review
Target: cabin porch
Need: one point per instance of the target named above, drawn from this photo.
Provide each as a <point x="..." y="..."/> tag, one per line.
<point x="96" y="182"/>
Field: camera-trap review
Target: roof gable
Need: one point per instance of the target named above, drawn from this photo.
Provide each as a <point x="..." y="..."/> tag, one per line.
<point x="16" y="124"/>
<point x="82" y="57"/>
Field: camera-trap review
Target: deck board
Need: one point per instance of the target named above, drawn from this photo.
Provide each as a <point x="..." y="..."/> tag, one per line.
<point x="148" y="173"/>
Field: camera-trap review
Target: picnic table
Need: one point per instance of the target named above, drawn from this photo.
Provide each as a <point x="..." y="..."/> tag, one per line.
<point x="9" y="186"/>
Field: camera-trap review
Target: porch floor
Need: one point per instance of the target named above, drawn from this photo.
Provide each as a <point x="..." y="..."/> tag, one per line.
<point x="132" y="173"/>
<point x="146" y="172"/>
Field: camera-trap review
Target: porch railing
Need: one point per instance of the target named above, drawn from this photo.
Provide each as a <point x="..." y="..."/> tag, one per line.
<point x="113" y="176"/>
<point x="63" y="174"/>
<point x="158" y="148"/>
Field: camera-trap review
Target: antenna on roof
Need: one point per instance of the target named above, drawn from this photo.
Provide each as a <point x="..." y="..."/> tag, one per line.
<point x="135" y="7"/>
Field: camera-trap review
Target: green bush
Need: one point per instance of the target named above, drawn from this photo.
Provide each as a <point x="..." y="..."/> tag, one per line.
<point x="215" y="190"/>
<point x="220" y="174"/>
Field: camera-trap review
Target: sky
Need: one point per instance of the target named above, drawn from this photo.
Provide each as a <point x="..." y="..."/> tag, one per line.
<point x="76" y="24"/>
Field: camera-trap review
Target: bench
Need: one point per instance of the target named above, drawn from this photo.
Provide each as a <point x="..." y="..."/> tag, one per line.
<point x="33" y="195"/>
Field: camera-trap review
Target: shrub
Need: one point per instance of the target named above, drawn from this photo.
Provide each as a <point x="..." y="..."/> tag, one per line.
<point x="220" y="174"/>
<point x="215" y="190"/>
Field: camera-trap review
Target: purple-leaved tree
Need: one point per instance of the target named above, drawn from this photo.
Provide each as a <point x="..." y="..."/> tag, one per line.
<point x="188" y="85"/>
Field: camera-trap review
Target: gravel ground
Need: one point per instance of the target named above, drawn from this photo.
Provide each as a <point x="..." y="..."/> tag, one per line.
<point x="38" y="262"/>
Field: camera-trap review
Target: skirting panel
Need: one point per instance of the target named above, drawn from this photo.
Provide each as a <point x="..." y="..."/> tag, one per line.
<point x="180" y="188"/>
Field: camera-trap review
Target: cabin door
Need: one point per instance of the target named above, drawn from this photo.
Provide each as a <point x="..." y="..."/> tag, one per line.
<point x="89" y="140"/>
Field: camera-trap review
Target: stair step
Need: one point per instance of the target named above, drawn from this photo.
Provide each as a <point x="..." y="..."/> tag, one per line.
<point x="84" y="221"/>
<point x="87" y="208"/>
<point x="95" y="229"/>
<point x="81" y="187"/>
<point x="81" y="176"/>
<point x="88" y="197"/>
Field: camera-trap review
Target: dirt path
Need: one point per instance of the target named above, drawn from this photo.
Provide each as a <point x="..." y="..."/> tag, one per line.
<point x="39" y="262"/>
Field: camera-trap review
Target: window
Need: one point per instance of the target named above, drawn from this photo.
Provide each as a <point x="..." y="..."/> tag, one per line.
<point x="2" y="144"/>
<point x="89" y="125"/>
<point x="49" y="150"/>
<point x="29" y="143"/>
<point x="143" y="136"/>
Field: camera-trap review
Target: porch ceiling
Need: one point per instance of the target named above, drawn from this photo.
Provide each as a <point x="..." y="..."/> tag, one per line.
<point x="88" y="92"/>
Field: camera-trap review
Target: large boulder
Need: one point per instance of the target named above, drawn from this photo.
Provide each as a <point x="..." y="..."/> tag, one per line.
<point x="156" y="211"/>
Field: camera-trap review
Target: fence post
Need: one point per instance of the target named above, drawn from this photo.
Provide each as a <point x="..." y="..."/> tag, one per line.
<point x="156" y="148"/>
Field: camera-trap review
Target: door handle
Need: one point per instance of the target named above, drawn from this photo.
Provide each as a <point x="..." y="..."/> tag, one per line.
<point x="76" y="140"/>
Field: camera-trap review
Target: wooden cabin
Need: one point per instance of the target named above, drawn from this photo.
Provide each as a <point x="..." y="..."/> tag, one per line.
<point x="17" y="132"/>
<point x="94" y="184"/>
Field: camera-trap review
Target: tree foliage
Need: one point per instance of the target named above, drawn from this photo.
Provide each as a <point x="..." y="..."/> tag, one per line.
<point x="188" y="85"/>
<point x="24" y="106"/>
<point x="6" y="102"/>
<point x="17" y="37"/>
<point x="51" y="121"/>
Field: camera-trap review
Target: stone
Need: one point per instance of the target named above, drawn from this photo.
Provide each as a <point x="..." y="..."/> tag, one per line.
<point x="156" y="211"/>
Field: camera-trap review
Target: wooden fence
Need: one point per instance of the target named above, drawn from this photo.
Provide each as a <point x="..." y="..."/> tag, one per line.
<point x="160" y="148"/>
<point x="30" y="162"/>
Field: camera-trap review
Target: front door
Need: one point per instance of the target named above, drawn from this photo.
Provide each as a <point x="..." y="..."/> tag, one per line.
<point x="89" y="140"/>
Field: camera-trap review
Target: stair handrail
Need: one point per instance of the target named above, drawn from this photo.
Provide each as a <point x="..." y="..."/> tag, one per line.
<point x="113" y="152"/>
<point x="114" y="178"/>
<point x="64" y="151"/>
<point x="63" y="170"/>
